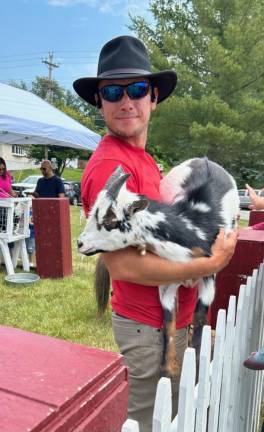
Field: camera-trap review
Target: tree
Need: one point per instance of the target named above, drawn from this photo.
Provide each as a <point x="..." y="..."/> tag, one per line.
<point x="217" y="110"/>
<point x="42" y="87"/>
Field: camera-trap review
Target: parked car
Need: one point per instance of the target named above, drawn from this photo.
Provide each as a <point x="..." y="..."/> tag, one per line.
<point x="73" y="191"/>
<point x="244" y="200"/>
<point x="28" y="185"/>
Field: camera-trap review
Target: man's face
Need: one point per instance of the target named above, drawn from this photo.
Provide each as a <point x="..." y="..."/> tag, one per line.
<point x="127" y="118"/>
<point x="46" y="170"/>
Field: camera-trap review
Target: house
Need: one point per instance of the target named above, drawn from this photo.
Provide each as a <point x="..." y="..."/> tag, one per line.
<point x="15" y="157"/>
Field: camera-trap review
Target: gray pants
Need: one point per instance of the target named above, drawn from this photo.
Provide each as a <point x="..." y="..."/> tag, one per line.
<point x="141" y="346"/>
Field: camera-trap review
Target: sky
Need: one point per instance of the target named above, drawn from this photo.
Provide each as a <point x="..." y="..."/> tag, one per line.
<point x="73" y="30"/>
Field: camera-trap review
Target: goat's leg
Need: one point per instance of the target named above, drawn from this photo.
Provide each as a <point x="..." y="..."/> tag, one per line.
<point x="206" y="297"/>
<point x="170" y="364"/>
<point x="199" y="320"/>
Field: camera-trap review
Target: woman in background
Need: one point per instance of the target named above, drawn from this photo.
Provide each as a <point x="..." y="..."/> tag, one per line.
<point x="6" y="190"/>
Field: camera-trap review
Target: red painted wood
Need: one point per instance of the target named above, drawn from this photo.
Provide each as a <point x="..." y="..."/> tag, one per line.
<point x="248" y="255"/>
<point x="51" y="385"/>
<point x="53" y="237"/>
<point x="255" y="217"/>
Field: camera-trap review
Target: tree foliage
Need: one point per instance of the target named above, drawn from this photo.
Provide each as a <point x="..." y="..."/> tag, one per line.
<point x="216" y="47"/>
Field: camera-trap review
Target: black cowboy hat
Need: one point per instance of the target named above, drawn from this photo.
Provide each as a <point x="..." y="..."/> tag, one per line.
<point x="125" y="57"/>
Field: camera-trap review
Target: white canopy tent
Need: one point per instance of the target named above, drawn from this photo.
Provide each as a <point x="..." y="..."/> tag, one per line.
<point x="27" y="119"/>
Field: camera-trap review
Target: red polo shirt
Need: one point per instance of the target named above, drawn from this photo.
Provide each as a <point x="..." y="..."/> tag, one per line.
<point x="138" y="302"/>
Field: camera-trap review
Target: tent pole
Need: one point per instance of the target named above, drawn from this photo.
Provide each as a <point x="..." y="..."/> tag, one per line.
<point x="46" y="150"/>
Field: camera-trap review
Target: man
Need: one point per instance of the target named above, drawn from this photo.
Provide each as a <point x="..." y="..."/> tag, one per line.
<point x="256" y="359"/>
<point x="126" y="92"/>
<point x="49" y="186"/>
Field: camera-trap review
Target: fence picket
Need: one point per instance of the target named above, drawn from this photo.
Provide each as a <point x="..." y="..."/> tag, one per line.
<point x="186" y="412"/>
<point x="228" y="352"/>
<point x="260" y="322"/>
<point x="204" y="381"/>
<point x="162" y="408"/>
<point x="235" y="364"/>
<point x="217" y="370"/>
<point x="250" y="374"/>
<point x="130" y="426"/>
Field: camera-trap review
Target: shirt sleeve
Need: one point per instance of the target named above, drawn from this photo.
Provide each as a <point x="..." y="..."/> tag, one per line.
<point x="61" y="188"/>
<point x="37" y="187"/>
<point x="95" y="179"/>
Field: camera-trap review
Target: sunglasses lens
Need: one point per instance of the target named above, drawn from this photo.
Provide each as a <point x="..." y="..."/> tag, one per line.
<point x="137" y="90"/>
<point x="114" y="93"/>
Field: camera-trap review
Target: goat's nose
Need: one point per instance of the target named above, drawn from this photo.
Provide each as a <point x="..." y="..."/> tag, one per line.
<point x="79" y="244"/>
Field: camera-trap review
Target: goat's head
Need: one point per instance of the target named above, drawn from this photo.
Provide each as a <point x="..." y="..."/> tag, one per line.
<point x="110" y="224"/>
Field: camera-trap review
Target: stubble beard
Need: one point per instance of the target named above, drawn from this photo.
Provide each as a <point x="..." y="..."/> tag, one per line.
<point x="122" y="133"/>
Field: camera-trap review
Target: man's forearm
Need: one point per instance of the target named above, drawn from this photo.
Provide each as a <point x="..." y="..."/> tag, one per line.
<point x="150" y="269"/>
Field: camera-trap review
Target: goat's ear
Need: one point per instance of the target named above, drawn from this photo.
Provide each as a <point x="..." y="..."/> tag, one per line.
<point x="137" y="206"/>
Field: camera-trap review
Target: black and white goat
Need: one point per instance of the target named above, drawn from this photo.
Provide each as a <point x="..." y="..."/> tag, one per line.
<point x="199" y="197"/>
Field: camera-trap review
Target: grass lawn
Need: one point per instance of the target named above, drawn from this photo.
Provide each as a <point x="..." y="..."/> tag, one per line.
<point x="63" y="308"/>
<point x="68" y="174"/>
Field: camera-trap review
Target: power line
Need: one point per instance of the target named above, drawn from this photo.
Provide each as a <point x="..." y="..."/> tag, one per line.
<point x="51" y="65"/>
<point x="93" y="53"/>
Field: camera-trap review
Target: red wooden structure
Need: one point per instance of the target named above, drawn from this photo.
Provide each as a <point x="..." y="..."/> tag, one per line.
<point x="255" y="217"/>
<point x="50" y="385"/>
<point x="248" y="255"/>
<point x="53" y="237"/>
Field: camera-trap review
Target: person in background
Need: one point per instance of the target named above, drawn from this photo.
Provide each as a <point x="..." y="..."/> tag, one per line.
<point x="6" y="190"/>
<point x="127" y="92"/>
<point x="50" y="185"/>
<point x="256" y="359"/>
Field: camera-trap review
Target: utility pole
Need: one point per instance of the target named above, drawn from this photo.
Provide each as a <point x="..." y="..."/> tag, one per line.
<point x="49" y="62"/>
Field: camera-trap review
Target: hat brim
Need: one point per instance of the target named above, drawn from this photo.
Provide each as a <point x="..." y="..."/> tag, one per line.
<point x="165" y="81"/>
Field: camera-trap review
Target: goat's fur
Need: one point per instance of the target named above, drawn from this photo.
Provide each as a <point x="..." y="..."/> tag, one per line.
<point x="199" y="198"/>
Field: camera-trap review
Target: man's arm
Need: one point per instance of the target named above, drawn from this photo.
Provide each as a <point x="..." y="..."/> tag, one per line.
<point x="128" y="265"/>
<point x="35" y="194"/>
<point x="257" y="202"/>
<point x="61" y="188"/>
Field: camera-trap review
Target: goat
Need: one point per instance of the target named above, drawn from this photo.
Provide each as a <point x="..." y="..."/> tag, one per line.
<point x="199" y="197"/>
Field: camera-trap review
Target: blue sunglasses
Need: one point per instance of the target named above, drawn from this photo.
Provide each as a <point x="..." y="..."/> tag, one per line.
<point x="115" y="92"/>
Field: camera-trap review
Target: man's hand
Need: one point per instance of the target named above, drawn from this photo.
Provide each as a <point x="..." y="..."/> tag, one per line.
<point x="223" y="249"/>
<point x="257" y="202"/>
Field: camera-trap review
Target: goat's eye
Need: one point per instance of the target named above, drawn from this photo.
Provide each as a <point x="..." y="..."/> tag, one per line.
<point x="110" y="225"/>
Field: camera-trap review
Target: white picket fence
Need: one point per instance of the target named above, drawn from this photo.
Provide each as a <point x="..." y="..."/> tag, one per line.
<point x="227" y="397"/>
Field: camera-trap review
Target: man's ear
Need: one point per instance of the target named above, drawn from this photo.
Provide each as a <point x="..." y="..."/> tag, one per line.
<point x="98" y="101"/>
<point x="154" y="98"/>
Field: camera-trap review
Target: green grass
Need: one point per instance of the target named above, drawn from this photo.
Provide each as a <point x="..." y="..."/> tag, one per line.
<point x="68" y="174"/>
<point x="64" y="308"/>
